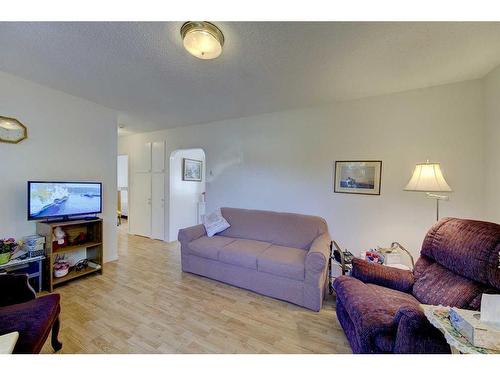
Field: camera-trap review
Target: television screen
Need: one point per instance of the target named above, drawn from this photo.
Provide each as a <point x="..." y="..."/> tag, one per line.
<point x="63" y="199"/>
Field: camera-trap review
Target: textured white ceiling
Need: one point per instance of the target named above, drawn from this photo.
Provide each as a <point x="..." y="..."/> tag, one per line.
<point x="141" y="69"/>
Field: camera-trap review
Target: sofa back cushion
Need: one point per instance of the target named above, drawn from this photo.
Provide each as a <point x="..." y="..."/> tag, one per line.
<point x="284" y="229"/>
<point x="468" y="248"/>
<point x="437" y="285"/>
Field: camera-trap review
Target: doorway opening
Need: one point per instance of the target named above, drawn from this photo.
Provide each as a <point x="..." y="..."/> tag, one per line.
<point x="187" y="189"/>
<point x="122" y="174"/>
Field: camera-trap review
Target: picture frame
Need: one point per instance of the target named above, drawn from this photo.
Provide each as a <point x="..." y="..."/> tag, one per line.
<point x="357" y="177"/>
<point x="192" y="170"/>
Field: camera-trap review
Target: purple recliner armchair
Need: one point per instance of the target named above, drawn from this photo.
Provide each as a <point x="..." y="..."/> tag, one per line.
<point x="378" y="306"/>
<point x="34" y="318"/>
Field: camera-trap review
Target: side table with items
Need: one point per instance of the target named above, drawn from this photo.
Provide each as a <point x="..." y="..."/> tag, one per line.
<point x="390" y="256"/>
<point x="8" y="342"/>
<point x="26" y="258"/>
<point x="340" y="263"/>
<point x="440" y="317"/>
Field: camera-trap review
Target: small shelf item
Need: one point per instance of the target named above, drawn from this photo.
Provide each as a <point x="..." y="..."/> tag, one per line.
<point x="34" y="245"/>
<point x="74" y="274"/>
<point x="82" y="240"/>
<point x="61" y="266"/>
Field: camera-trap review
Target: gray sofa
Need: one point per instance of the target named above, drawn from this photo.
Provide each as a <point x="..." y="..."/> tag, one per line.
<point x="281" y="255"/>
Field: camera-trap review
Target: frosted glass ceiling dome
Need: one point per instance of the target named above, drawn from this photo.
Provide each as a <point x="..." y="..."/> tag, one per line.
<point x="202" y="39"/>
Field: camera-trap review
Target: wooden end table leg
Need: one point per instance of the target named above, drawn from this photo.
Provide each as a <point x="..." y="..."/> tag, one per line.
<point x="56" y="344"/>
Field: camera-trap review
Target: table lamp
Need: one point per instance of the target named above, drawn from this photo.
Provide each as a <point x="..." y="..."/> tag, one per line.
<point x="427" y="177"/>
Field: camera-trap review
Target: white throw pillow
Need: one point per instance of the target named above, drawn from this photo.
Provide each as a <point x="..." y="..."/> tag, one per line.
<point x="215" y="223"/>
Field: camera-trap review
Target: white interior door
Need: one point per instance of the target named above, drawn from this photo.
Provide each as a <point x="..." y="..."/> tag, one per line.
<point x="142" y="159"/>
<point x="158" y="206"/>
<point x="141" y="205"/>
<point x="158" y="157"/>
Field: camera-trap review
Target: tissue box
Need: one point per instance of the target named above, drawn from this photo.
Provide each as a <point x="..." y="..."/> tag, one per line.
<point x="478" y="333"/>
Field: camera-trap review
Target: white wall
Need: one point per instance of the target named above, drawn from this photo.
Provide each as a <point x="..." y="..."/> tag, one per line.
<point x="492" y="145"/>
<point x="284" y="161"/>
<point x="68" y="139"/>
<point x="184" y="195"/>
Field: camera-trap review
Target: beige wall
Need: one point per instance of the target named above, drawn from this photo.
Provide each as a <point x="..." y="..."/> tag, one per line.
<point x="492" y="145"/>
<point x="284" y="161"/>
<point x="69" y="139"/>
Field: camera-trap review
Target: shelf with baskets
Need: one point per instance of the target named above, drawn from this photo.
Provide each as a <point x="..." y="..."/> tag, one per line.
<point x="83" y="238"/>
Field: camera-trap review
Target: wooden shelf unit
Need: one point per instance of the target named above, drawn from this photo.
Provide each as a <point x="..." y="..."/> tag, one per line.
<point x="93" y="248"/>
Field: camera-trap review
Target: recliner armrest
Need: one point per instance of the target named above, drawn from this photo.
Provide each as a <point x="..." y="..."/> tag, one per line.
<point x="15" y="289"/>
<point x="389" y="277"/>
<point x="415" y="334"/>
<point x="189" y="234"/>
<point x="413" y="315"/>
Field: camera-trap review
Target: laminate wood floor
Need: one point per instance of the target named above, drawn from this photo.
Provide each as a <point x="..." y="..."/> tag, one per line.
<point x="143" y="303"/>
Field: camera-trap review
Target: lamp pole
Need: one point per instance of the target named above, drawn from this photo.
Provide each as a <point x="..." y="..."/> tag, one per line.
<point x="438" y="198"/>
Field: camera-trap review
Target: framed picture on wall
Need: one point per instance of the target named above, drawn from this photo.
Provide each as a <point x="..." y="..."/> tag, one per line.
<point x="191" y="170"/>
<point x="357" y="177"/>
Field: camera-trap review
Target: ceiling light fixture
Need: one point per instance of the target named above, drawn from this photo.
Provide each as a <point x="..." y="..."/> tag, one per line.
<point x="202" y="39"/>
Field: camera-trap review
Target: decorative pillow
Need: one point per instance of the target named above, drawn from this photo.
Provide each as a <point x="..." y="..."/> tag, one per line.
<point x="215" y="223"/>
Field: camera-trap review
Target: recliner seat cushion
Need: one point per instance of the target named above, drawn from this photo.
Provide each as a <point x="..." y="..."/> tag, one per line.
<point x="33" y="320"/>
<point x="283" y="261"/>
<point x="208" y="247"/>
<point x="242" y="252"/>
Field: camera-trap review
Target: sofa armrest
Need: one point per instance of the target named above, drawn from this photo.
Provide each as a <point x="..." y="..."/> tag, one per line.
<point x="415" y="334"/>
<point x="187" y="235"/>
<point x="389" y="277"/>
<point x="317" y="256"/>
<point x="15" y="289"/>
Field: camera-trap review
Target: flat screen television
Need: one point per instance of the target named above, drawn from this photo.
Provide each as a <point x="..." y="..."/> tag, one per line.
<point x="52" y="199"/>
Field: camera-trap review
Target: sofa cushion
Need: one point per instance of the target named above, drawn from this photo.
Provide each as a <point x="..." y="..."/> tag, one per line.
<point x="285" y="229"/>
<point x="208" y="247"/>
<point x="243" y="253"/>
<point x="372" y="309"/>
<point x="33" y="320"/>
<point x="283" y="261"/>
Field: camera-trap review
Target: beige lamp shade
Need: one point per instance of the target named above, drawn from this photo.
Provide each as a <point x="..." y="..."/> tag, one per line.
<point x="427" y="177"/>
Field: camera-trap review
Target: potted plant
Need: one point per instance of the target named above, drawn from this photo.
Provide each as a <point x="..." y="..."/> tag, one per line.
<point x="7" y="247"/>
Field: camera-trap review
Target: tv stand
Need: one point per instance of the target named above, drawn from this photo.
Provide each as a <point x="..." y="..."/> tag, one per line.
<point x="65" y="219"/>
<point x="92" y="244"/>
